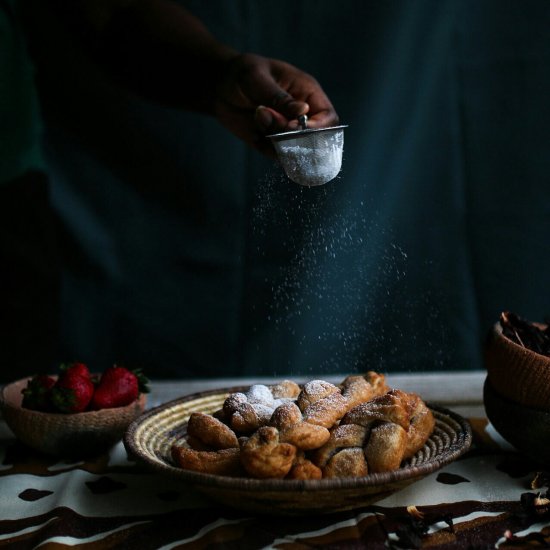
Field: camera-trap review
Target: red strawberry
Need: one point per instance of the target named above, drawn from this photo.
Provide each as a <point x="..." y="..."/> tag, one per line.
<point x="118" y="387"/>
<point x="73" y="391"/>
<point x="79" y="369"/>
<point x="36" y="395"/>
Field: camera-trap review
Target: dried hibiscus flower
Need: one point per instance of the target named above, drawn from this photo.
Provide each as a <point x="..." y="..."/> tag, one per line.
<point x="413" y="527"/>
<point x="533" y="336"/>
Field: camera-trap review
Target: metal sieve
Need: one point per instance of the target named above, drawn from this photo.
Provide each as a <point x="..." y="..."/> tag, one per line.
<point x="310" y="156"/>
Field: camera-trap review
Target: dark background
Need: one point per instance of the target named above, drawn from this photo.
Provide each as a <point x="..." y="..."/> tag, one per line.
<point x="189" y="254"/>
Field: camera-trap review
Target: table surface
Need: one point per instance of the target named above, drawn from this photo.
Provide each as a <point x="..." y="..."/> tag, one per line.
<point x="112" y="502"/>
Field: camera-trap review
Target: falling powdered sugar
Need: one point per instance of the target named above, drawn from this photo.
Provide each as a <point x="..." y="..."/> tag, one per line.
<point x="334" y="296"/>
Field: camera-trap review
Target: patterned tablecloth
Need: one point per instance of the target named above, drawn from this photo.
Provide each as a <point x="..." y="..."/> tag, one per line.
<point x="110" y="502"/>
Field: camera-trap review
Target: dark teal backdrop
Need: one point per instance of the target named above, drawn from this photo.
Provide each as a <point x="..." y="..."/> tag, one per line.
<point x="190" y="255"/>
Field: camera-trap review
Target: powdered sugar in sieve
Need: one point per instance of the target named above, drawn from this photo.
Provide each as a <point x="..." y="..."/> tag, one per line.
<point x="311" y="156"/>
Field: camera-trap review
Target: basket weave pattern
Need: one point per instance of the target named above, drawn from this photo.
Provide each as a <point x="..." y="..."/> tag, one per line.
<point x="151" y="437"/>
<point x="66" y="434"/>
<point x="516" y="372"/>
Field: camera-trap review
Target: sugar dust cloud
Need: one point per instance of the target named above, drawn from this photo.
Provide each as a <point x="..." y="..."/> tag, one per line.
<point x="333" y="277"/>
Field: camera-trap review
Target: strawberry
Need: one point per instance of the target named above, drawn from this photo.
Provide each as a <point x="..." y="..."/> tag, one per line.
<point x="76" y="368"/>
<point x="73" y="390"/>
<point x="118" y="387"/>
<point x="36" y="395"/>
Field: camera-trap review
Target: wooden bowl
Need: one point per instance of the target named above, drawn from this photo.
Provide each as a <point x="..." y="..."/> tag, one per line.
<point x="66" y="435"/>
<point x="526" y="428"/>
<point x="516" y="372"/>
<point x="150" y="437"/>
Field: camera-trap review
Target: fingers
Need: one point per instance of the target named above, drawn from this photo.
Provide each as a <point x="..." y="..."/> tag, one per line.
<point x="269" y="121"/>
<point x="304" y="96"/>
<point x="260" y="96"/>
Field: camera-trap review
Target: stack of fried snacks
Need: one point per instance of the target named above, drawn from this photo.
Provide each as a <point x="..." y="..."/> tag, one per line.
<point x="319" y="430"/>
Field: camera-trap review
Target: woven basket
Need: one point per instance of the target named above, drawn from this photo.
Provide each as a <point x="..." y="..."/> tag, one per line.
<point x="66" y="435"/>
<point x="517" y="373"/>
<point x="150" y="437"/>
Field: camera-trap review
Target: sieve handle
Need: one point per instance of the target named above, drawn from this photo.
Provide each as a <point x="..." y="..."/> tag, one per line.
<point x="302" y="120"/>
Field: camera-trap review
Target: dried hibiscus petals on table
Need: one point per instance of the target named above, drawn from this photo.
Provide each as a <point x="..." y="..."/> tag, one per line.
<point x="535" y="509"/>
<point x="533" y="336"/>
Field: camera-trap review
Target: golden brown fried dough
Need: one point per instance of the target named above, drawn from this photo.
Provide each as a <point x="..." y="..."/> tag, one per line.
<point x="246" y="418"/>
<point x="287" y="389"/>
<point x="302" y="468"/>
<point x="246" y="412"/>
<point x="313" y="391"/>
<point x="349" y="430"/>
<point x="421" y="426"/>
<point x="400" y="424"/>
<point x="390" y="407"/>
<point x="211" y="432"/>
<point x="305" y="436"/>
<point x="356" y="390"/>
<point x="232" y="402"/>
<point x="224" y="463"/>
<point x="264" y="456"/>
<point x="386" y="447"/>
<point x="378" y="382"/>
<point x="347" y="463"/>
<point x="287" y="418"/>
<point x="341" y="437"/>
<point x="326" y="411"/>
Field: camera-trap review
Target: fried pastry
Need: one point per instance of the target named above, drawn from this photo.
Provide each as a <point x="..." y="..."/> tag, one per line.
<point x="224" y="463"/>
<point x="287" y="389"/>
<point x="246" y="412"/>
<point x="324" y="404"/>
<point x="386" y="447"/>
<point x="249" y="417"/>
<point x="327" y="411"/>
<point x="390" y="407"/>
<point x="319" y="431"/>
<point x="210" y="432"/>
<point x="347" y="463"/>
<point x="302" y="468"/>
<point x="377" y="381"/>
<point x="421" y="426"/>
<point x="321" y="403"/>
<point x="287" y="418"/>
<point x="342" y="437"/>
<point x="264" y="456"/>
<point x="313" y="391"/>
<point x="399" y="425"/>
<point x="358" y="388"/>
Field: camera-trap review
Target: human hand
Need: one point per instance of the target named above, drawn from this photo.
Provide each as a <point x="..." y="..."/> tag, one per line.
<point x="258" y="96"/>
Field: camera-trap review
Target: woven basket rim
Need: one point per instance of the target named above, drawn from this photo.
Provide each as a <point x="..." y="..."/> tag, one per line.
<point x="498" y="332"/>
<point x="449" y="419"/>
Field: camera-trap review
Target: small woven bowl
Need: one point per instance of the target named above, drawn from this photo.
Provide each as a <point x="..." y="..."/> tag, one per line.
<point x="517" y="373"/>
<point x="66" y="435"/>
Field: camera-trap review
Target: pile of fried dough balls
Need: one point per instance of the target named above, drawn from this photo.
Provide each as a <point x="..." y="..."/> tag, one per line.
<point x="319" y="430"/>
